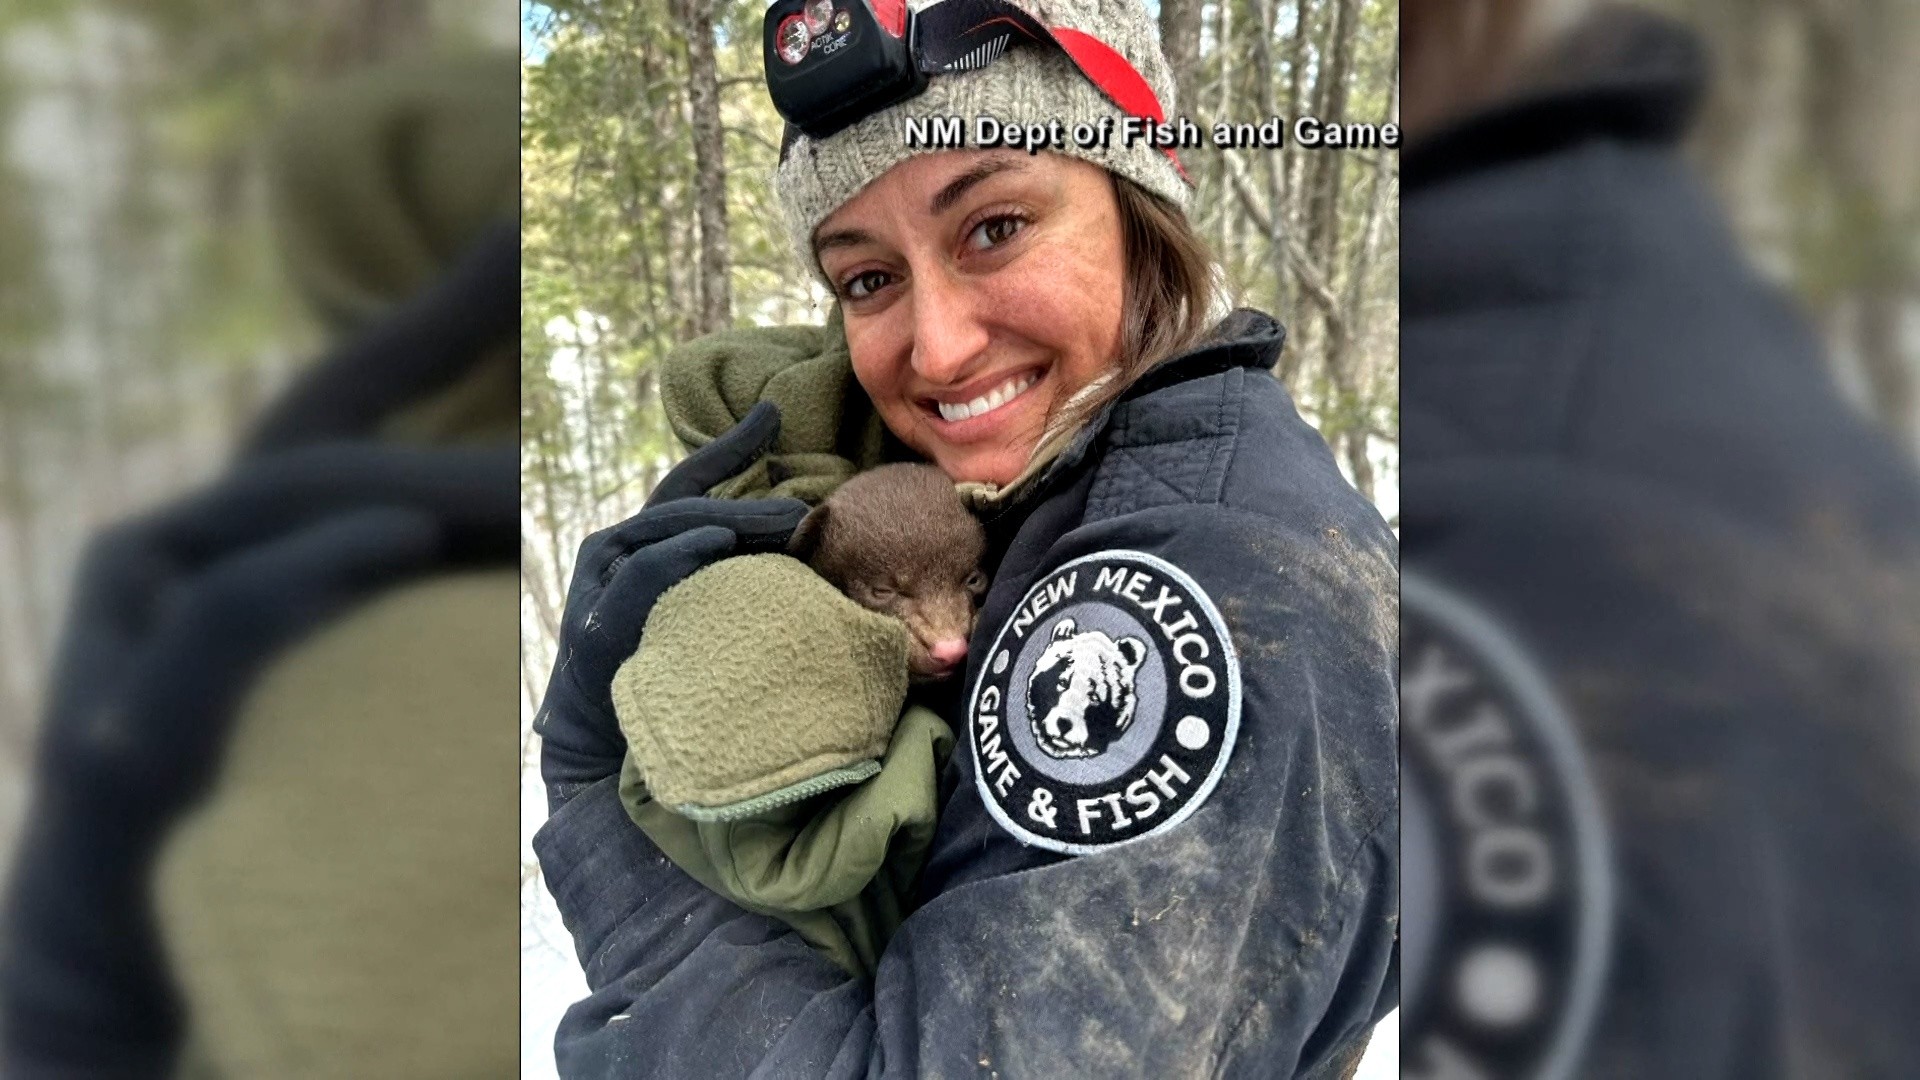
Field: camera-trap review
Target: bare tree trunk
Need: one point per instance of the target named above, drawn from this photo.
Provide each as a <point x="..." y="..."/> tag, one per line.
<point x="1323" y="227"/>
<point x="1322" y="206"/>
<point x="1276" y="174"/>
<point x="1223" y="41"/>
<point x="1351" y="373"/>
<point x="558" y="568"/>
<point x="1378" y="191"/>
<point x="682" y="290"/>
<point x="710" y="168"/>
<point x="1298" y="92"/>
<point x="1180" y="40"/>
<point x="1337" y="420"/>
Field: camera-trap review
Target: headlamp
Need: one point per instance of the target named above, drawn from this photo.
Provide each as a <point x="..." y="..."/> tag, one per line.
<point x="832" y="63"/>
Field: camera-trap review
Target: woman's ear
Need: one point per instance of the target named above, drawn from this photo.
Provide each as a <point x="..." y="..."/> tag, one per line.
<point x="805" y="541"/>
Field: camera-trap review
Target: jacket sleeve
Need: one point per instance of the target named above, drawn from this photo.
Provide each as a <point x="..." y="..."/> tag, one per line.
<point x="1254" y="937"/>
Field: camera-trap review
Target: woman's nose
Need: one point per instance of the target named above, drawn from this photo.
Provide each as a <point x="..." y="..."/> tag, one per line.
<point x="948" y="334"/>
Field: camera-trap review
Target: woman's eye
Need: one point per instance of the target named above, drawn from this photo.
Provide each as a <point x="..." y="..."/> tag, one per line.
<point x="993" y="232"/>
<point x="861" y="286"/>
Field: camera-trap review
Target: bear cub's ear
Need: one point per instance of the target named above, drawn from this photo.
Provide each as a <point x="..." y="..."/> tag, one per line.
<point x="805" y="542"/>
<point x="1063" y="629"/>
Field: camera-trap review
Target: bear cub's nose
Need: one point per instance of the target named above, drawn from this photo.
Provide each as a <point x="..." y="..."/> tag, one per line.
<point x="949" y="652"/>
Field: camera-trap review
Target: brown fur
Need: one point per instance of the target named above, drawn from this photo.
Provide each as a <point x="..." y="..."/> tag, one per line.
<point x="898" y="540"/>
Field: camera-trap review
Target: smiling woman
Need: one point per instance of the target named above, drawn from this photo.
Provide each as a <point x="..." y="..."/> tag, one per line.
<point x="981" y="291"/>
<point x="1073" y="278"/>
<point x="1183" y="663"/>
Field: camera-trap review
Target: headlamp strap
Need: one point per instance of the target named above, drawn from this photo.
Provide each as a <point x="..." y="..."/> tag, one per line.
<point x="966" y="35"/>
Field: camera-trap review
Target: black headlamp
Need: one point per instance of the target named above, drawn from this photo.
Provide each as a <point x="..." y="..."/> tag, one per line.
<point x="832" y="63"/>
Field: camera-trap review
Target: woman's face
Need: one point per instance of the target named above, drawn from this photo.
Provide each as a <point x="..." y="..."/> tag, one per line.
<point x="981" y="289"/>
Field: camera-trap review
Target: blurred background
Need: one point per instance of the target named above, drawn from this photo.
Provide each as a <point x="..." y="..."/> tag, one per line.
<point x="1661" y="541"/>
<point x="1810" y="138"/>
<point x="648" y="222"/>
<point x="183" y="234"/>
<point x="146" y="313"/>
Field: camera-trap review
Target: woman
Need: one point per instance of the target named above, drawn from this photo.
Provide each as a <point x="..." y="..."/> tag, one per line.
<point x="1168" y="843"/>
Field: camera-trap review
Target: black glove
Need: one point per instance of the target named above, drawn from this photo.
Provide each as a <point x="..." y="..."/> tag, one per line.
<point x="619" y="575"/>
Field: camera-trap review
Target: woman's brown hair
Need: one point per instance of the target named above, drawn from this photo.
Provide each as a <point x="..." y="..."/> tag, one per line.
<point x="1166" y="302"/>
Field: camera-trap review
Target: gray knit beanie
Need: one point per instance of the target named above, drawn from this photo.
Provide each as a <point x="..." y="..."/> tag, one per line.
<point x="1028" y="85"/>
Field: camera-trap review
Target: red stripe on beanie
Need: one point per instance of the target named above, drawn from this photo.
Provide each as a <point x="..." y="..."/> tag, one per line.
<point x="1108" y="70"/>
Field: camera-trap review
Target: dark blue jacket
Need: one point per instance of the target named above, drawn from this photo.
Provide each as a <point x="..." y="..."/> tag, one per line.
<point x="1624" y="448"/>
<point x="1245" y="931"/>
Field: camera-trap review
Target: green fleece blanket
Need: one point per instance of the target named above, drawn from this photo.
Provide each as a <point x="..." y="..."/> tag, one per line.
<point x="759" y="685"/>
<point x="828" y="428"/>
<point x="839" y="868"/>
<point x="768" y="752"/>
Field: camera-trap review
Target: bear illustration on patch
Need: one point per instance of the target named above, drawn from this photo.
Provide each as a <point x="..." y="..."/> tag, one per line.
<point x="1108" y="706"/>
<point x="1081" y="697"/>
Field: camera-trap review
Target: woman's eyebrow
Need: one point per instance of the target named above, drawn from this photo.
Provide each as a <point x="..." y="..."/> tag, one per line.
<point x="947" y="196"/>
<point x="840" y="238"/>
<point x="943" y="200"/>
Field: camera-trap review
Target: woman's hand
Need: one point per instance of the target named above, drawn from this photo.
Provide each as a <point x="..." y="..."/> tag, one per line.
<point x="622" y="571"/>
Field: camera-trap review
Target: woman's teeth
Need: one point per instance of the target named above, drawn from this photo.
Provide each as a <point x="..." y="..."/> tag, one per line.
<point x="988" y="402"/>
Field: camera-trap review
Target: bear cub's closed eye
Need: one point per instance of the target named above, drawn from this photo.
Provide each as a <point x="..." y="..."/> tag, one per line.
<point x="898" y="540"/>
